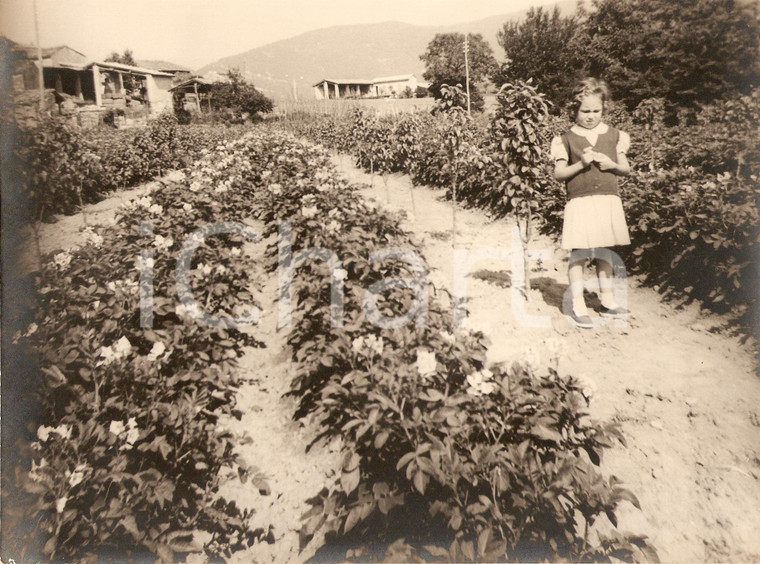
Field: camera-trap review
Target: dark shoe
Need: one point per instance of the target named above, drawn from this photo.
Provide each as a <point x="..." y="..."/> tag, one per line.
<point x="614" y="312"/>
<point x="582" y="321"/>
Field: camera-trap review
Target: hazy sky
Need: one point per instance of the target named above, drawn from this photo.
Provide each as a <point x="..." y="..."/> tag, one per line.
<point x="197" y="32"/>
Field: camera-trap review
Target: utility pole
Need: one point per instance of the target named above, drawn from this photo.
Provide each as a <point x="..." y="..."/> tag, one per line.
<point x="41" y="74"/>
<point x="467" y="71"/>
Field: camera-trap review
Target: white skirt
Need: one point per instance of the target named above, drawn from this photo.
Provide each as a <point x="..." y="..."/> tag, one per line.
<point x="594" y="221"/>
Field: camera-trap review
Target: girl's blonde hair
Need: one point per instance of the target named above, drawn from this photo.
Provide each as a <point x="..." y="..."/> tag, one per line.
<point x="588" y="87"/>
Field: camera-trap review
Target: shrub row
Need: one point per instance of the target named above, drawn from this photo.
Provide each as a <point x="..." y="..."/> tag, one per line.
<point x="57" y="167"/>
<point x="691" y="200"/>
<point x="444" y="458"/>
<point x="128" y="456"/>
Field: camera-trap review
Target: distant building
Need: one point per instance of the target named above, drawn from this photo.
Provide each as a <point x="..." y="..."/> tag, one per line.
<point x="386" y="86"/>
<point x="80" y="84"/>
<point x="179" y="73"/>
<point x="194" y="94"/>
<point x="342" y="88"/>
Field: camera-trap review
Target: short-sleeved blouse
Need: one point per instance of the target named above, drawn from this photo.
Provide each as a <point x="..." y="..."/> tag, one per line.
<point x="558" y="151"/>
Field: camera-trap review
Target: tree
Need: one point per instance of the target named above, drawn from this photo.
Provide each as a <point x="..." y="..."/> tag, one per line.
<point x="131" y="84"/>
<point x="127" y="58"/>
<point x="238" y="97"/>
<point x="444" y="63"/>
<point x="542" y="48"/>
<point x="689" y="52"/>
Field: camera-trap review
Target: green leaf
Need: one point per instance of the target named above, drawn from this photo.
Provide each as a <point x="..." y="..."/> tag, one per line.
<point x="349" y="480"/>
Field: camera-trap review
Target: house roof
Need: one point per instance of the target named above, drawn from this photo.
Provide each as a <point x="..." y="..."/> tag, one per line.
<point x="30" y="51"/>
<point x="194" y="80"/>
<point x="164" y="66"/>
<point x="397" y="78"/>
<point x="128" y="68"/>
<point x="363" y="81"/>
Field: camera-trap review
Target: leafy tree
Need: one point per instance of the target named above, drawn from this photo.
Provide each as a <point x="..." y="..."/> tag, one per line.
<point x="688" y="52"/>
<point x="542" y="48"/>
<point x="444" y="63"/>
<point x="131" y="84"/>
<point x="127" y="58"/>
<point x="237" y="97"/>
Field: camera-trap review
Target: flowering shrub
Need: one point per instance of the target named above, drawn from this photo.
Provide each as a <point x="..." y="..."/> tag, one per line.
<point x="128" y="456"/>
<point x="462" y="461"/>
<point x="60" y="167"/>
<point x="444" y="456"/>
<point x="690" y="201"/>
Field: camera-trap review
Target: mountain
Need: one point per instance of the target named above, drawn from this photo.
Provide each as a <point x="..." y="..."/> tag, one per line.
<point x="350" y="51"/>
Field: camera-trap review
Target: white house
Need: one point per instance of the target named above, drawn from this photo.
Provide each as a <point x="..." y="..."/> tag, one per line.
<point x="380" y="87"/>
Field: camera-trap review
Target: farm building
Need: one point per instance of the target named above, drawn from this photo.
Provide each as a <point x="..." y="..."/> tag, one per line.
<point x="179" y="73"/>
<point x="342" y="88"/>
<point x="194" y="94"/>
<point x="386" y="86"/>
<point x="80" y="84"/>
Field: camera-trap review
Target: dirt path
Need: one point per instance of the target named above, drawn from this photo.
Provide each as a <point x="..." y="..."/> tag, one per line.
<point x="688" y="399"/>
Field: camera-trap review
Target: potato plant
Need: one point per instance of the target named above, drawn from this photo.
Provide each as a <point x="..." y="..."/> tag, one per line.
<point x="444" y="457"/>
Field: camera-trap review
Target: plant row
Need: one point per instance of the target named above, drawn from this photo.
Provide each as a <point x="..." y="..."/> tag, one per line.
<point x="690" y="201"/>
<point x="57" y="167"/>
<point x="444" y="457"/>
<point x="129" y="453"/>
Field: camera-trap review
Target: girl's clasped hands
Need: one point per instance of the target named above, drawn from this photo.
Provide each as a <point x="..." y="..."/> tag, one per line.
<point x="590" y="156"/>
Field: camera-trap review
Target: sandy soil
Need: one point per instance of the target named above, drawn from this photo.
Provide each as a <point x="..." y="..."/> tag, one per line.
<point x="686" y="393"/>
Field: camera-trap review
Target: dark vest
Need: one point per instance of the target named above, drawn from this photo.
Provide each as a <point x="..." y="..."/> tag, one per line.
<point x="592" y="181"/>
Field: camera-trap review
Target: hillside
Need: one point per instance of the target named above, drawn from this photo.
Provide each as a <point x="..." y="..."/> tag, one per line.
<point x="353" y="51"/>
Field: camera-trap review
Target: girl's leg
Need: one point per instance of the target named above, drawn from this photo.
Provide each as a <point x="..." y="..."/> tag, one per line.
<point x="575" y="267"/>
<point x="605" y="272"/>
<point x="606" y="275"/>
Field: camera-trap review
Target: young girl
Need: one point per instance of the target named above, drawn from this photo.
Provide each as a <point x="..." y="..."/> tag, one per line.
<point x="589" y="158"/>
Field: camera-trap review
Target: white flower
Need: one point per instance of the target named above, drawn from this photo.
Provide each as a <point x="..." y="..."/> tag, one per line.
<point x="116" y="428"/>
<point x="426" y="363"/>
<point x="275" y="188"/>
<point x="448" y="337"/>
<point x="122" y="347"/>
<point x="92" y="237"/>
<point x="144" y="202"/>
<point x="374" y="344"/>
<point x="187" y="207"/>
<point x="132" y="436"/>
<point x="481" y="383"/>
<point x="77" y="475"/>
<point x="62" y="259"/>
<point x="60" y="505"/>
<point x="43" y="433"/>
<point x="357" y="344"/>
<point x="195" y="186"/>
<point x="64" y="431"/>
<point x="163" y="243"/>
<point x="333" y="226"/>
<point x="158" y="349"/>
<point x="236" y="252"/>
<point x="155" y="209"/>
<point x="309" y="211"/>
<point x="339" y="274"/>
